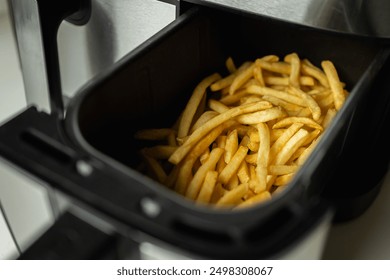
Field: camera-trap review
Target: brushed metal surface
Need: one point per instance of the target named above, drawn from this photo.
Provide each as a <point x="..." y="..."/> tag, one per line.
<point x="360" y="17"/>
<point x="114" y="29"/>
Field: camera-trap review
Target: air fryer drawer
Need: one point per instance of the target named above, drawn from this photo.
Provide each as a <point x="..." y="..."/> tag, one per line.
<point x="150" y="86"/>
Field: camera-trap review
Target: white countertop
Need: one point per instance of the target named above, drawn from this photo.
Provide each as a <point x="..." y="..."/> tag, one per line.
<point x="367" y="237"/>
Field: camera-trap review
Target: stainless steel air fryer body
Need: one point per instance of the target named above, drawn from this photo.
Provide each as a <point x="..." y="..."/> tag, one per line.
<point x="99" y="33"/>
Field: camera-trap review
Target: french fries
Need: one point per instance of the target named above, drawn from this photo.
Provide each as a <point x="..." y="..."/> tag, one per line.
<point x="245" y="144"/>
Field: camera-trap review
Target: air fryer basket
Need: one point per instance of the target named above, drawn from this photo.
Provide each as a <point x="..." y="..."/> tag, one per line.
<point x="149" y="88"/>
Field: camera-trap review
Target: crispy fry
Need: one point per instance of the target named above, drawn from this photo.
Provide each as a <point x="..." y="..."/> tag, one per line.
<point x="284" y="81"/>
<point x="311" y="103"/>
<point x="276" y="93"/>
<point x="309" y="69"/>
<point x="330" y="114"/>
<point x="262" y="116"/>
<point x="283" y="179"/>
<point x="204" y="118"/>
<point x="231" y="145"/>
<point x="233" y="165"/>
<point x="290" y="120"/>
<point x="195" y="184"/>
<point x="230" y="66"/>
<point x="181" y="151"/>
<point x="295" y="62"/>
<point x="262" y="157"/>
<point x="193" y="103"/>
<point x="227" y="81"/>
<point x="232" y="197"/>
<point x="217" y="106"/>
<point x="305" y="154"/>
<point x="334" y="82"/>
<point x="243" y="173"/>
<point x="282" y="140"/>
<point x="282" y="169"/>
<point x="241" y="78"/>
<point x="208" y="186"/>
<point x="291" y="146"/>
<point x="263" y="196"/>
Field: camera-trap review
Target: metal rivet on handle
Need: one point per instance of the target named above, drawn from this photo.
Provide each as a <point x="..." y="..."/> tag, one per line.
<point x="84" y="168"/>
<point x="150" y="207"/>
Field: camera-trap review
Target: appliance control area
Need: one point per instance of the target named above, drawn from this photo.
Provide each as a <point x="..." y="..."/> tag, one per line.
<point x="26" y="207"/>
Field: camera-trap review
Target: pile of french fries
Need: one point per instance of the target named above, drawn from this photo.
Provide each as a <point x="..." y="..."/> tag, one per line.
<point x="242" y="138"/>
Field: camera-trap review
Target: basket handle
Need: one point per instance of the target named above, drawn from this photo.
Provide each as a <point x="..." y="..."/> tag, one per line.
<point x="36" y="25"/>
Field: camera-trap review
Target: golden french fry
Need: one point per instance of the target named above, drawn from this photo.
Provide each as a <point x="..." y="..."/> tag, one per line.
<point x="233" y="183"/>
<point x="277" y="67"/>
<point x="231" y="145"/>
<point x="243" y="173"/>
<point x="309" y="69"/>
<point x="291" y="120"/>
<point x="296" y="155"/>
<point x="193" y="103"/>
<point x="232" y="197"/>
<point x="282" y="169"/>
<point x="185" y="173"/>
<point x="283" y="179"/>
<point x="205" y="156"/>
<point x="277" y="93"/>
<point x="217" y="106"/>
<point x="241" y="78"/>
<point x="251" y="158"/>
<point x="284" y="81"/>
<point x="227" y="81"/>
<point x="196" y="182"/>
<point x="219" y="191"/>
<point x="232" y="99"/>
<point x="258" y="74"/>
<point x="276" y="133"/>
<point x="230" y="66"/>
<point x="208" y="187"/>
<point x="291" y="146"/>
<point x="305" y="154"/>
<point x="233" y="165"/>
<point x="262" y="157"/>
<point x="250" y="99"/>
<point x="181" y="151"/>
<point x="262" y="116"/>
<point x="282" y="140"/>
<point x="264" y="196"/>
<point x="311" y="103"/>
<point x="334" y="82"/>
<point x="330" y="114"/>
<point x="312" y="136"/>
<point x="295" y="62"/>
<point x="245" y="141"/>
<point x="204" y="118"/>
